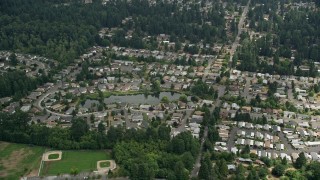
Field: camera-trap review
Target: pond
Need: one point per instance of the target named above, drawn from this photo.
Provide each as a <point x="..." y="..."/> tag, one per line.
<point x="142" y="98"/>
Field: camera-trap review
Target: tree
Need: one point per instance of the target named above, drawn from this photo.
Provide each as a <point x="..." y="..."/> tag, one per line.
<point x="188" y="160"/>
<point x="101" y="128"/>
<point x="92" y="118"/>
<point x="178" y="145"/>
<point x="180" y="172"/>
<point x="284" y="161"/>
<point x="240" y="172"/>
<point x="18" y="84"/>
<point x="13" y="59"/>
<point x="164" y="132"/>
<point x="74" y="171"/>
<point x="252" y="175"/>
<point x="266" y="161"/>
<point x="301" y="161"/>
<point x="278" y="170"/>
<point x="223" y="168"/>
<point x="313" y="170"/>
<point x="245" y="150"/>
<point x="165" y="99"/>
<point x="183" y="98"/>
<point x="263" y="172"/>
<point x="204" y="171"/>
<point x="79" y="127"/>
<point x="145" y="171"/>
<point x="155" y="87"/>
<point x="74" y="113"/>
<point x="293" y="174"/>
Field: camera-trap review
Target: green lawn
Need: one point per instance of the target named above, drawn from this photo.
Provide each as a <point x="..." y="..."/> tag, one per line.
<point x="19" y="159"/>
<point x="105" y="164"/>
<point x="53" y="156"/>
<point x="83" y="161"/>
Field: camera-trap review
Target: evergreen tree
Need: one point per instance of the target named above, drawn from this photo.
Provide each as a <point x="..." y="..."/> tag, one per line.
<point x="300" y="161"/>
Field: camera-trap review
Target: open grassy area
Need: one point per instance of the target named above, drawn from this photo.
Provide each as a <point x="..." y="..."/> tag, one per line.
<point x="53" y="156"/>
<point x="19" y="159"/>
<point x="105" y="164"/>
<point x="83" y="161"/>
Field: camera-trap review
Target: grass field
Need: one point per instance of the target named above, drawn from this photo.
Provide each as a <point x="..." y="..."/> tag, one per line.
<point x="53" y="156"/>
<point x="19" y="159"/>
<point x="105" y="164"/>
<point x="83" y="161"/>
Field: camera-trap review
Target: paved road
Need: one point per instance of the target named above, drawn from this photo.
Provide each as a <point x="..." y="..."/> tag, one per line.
<point x="245" y="93"/>
<point x="290" y="95"/>
<point x="182" y="126"/>
<point x="232" y="138"/>
<point x="207" y="69"/>
<point x="55" y="89"/>
<point x="196" y="168"/>
<point x="282" y="138"/>
<point x="284" y="141"/>
<point x="240" y="25"/>
<point x="221" y="91"/>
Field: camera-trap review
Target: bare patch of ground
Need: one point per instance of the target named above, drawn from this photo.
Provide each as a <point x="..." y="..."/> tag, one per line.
<point x="3" y="145"/>
<point x="13" y="161"/>
<point x="33" y="173"/>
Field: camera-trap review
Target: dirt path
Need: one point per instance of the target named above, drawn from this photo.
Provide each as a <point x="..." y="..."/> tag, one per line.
<point x="33" y="173"/>
<point x="10" y="163"/>
<point x="3" y="145"/>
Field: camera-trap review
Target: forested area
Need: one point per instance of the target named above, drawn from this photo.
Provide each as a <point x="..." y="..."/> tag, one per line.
<point x="181" y="23"/>
<point x="18" y="84"/>
<point x="290" y="38"/>
<point x="158" y="157"/>
<point x="143" y="153"/>
<point x="41" y="27"/>
<point x="298" y="29"/>
<point x="63" y="31"/>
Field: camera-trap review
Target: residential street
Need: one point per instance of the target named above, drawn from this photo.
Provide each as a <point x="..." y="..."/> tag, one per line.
<point x="240" y="26"/>
<point x="196" y="168"/>
<point x="195" y="171"/>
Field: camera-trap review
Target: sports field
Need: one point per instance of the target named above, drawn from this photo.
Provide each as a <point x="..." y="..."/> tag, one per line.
<point x="19" y="160"/>
<point x="81" y="161"/>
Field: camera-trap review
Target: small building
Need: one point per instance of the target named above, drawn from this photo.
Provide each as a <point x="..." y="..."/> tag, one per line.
<point x="294" y="156"/>
<point x="231" y="167"/>
<point x="312" y="144"/>
<point x="25" y="108"/>
<point x="244" y="160"/>
<point x="137" y="118"/>
<point x="145" y="107"/>
<point x="314" y="156"/>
